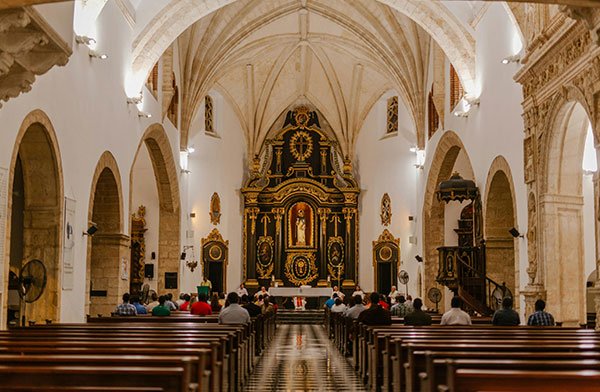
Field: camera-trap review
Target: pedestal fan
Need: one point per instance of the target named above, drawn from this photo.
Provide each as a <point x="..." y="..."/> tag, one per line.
<point x="32" y="282"/>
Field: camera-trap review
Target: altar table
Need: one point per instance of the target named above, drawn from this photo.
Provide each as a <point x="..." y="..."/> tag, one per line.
<point x="300" y="291"/>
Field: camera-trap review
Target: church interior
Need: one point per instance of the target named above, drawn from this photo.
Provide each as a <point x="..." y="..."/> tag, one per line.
<point x="303" y="158"/>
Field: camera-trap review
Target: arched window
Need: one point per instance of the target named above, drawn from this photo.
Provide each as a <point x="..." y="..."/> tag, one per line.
<point x="152" y="82"/>
<point x="209" y="124"/>
<point x="433" y="116"/>
<point x="456" y="89"/>
<point x="392" y="115"/>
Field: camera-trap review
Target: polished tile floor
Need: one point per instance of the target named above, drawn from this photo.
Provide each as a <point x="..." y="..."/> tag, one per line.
<point x="301" y="358"/>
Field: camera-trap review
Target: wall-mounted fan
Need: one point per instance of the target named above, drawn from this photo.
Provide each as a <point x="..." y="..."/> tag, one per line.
<point x="32" y="280"/>
<point x="435" y="295"/>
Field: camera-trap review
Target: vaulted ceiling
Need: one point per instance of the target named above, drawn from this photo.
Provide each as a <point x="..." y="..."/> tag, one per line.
<point x="340" y="55"/>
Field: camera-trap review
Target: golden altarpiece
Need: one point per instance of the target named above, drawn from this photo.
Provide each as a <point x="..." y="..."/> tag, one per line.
<point x="300" y="209"/>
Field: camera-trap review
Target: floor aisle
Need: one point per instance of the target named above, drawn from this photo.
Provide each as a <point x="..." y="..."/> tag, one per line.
<point x="301" y="358"/>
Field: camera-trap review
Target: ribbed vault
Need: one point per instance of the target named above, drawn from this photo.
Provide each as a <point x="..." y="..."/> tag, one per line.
<point x="340" y="55"/>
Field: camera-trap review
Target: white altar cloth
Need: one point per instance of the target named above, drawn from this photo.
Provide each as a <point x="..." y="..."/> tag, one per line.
<point x="301" y="291"/>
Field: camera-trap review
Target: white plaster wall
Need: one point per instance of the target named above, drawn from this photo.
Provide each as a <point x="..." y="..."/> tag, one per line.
<point x="589" y="237"/>
<point x="86" y="102"/>
<point x="217" y="165"/>
<point x="495" y="127"/>
<point x="386" y="165"/>
<point x="144" y="192"/>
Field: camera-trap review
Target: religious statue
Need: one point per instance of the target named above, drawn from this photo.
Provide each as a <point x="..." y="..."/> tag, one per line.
<point x="301" y="228"/>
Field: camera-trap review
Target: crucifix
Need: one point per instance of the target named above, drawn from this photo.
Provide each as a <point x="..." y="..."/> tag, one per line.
<point x="302" y="145"/>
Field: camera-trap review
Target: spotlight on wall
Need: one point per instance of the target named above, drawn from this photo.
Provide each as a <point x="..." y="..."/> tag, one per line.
<point x="190" y="150"/>
<point x="144" y="115"/>
<point x="185" y="171"/>
<point x="511" y="59"/>
<point x="135" y="100"/>
<point x="85" y="40"/>
<point x="515" y="233"/>
<point x="461" y="113"/>
<point x="91" y="230"/>
<point x="419" y="258"/>
<point x="97" y="55"/>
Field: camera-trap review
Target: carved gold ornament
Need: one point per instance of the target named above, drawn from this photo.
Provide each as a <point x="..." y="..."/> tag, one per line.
<point x="386" y="210"/>
<point x="215" y="252"/>
<point x="215" y="209"/>
<point x="264" y="251"/>
<point x="301" y="145"/>
<point x="385" y="253"/>
<point x="300" y="268"/>
<point x="335" y="257"/>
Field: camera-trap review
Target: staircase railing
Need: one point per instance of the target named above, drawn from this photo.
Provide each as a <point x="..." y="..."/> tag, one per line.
<point x="462" y="270"/>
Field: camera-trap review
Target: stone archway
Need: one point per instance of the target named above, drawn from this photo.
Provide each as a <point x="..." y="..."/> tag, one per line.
<point x="560" y="246"/>
<point x="35" y="211"/>
<point x="499" y="217"/>
<point x="442" y="165"/>
<point x="108" y="245"/>
<point x="156" y="142"/>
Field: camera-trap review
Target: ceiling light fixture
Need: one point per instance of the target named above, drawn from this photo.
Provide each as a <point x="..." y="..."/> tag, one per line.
<point x="98" y="55"/>
<point x="85" y="40"/>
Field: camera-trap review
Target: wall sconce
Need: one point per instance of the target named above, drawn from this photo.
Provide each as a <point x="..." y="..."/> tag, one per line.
<point x="85" y="40"/>
<point x="135" y="100"/>
<point x="144" y="115"/>
<point x="97" y="55"/>
<point x="420" y="154"/>
<point x="511" y="59"/>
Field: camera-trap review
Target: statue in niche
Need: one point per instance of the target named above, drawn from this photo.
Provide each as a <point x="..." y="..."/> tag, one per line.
<point x="301" y="228"/>
<point x="300" y="225"/>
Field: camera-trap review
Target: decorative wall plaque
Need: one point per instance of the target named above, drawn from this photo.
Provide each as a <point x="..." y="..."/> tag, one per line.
<point x="335" y="257"/>
<point x="386" y="210"/>
<point x="215" y="209"/>
<point x="264" y="255"/>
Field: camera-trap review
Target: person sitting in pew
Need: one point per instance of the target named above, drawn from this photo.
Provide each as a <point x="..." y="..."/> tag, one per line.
<point x="214" y="303"/>
<point x="252" y="308"/>
<point x="125" y="308"/>
<point x="135" y="301"/>
<point x="338" y="306"/>
<point x="234" y="313"/>
<point x="336" y="291"/>
<point x="267" y="307"/>
<point x="331" y="301"/>
<point x="506" y="316"/>
<point x="185" y="306"/>
<point x="152" y="304"/>
<point x="356" y="309"/>
<point x="162" y="309"/>
<point x="181" y="300"/>
<point x="383" y="302"/>
<point x="417" y="317"/>
<point x="456" y="316"/>
<point x="540" y="318"/>
<point x="201" y="307"/>
<point x="401" y="309"/>
<point x="358" y="291"/>
<point x="375" y="315"/>
<point x="169" y="302"/>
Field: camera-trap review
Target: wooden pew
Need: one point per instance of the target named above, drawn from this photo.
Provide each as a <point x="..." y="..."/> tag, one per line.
<point x="474" y="380"/>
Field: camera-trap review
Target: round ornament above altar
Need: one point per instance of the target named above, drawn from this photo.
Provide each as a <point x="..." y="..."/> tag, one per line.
<point x="300" y="268"/>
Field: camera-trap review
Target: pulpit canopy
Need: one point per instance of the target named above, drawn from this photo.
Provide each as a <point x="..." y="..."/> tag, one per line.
<point x="457" y="188"/>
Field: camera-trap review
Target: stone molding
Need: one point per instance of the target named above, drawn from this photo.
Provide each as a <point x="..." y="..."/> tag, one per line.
<point x="28" y="47"/>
